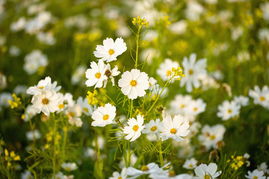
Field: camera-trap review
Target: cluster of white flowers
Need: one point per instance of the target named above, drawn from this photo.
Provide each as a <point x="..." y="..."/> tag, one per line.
<point x="152" y="170"/>
<point x="34" y="61"/>
<point x="47" y="99"/>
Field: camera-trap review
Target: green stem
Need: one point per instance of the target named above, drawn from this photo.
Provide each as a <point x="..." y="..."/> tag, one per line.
<point x="160" y="152"/>
<point x="137" y="46"/>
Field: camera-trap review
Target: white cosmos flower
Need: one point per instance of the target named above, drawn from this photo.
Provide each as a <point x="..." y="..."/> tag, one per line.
<point x="190" y="164"/>
<point x="196" y="107"/>
<point x="228" y="110"/>
<point x="86" y="108"/>
<point x="104" y="115"/>
<point x="134" y="83"/>
<point x="117" y="175"/>
<point x="165" y="71"/>
<point x="74" y="113"/>
<point x="110" y="49"/>
<point x="34" y="61"/>
<point x="152" y="129"/>
<point x="44" y="84"/>
<point x="69" y="166"/>
<point x="176" y="128"/>
<point x="207" y="171"/>
<point x="255" y="174"/>
<point x="96" y="74"/>
<point x="212" y="135"/>
<point x="134" y="128"/>
<point x="150" y="168"/>
<point x="180" y="104"/>
<point x="46" y="102"/>
<point x="241" y="100"/>
<point x="260" y="96"/>
<point x="192" y="70"/>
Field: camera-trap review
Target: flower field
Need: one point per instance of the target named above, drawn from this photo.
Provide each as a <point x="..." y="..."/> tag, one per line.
<point x="159" y="89"/>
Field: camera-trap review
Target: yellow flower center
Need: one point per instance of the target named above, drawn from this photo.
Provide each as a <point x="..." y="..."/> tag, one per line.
<point x="133" y="83"/>
<point x="41" y="87"/>
<point x="71" y="114"/>
<point x="173" y="131"/>
<point x="190" y="71"/>
<point x="195" y="109"/>
<point x="168" y="73"/>
<point x="86" y="109"/>
<point x="105" y="117"/>
<point x="182" y="106"/>
<point x="190" y="165"/>
<point x="135" y="127"/>
<point x="98" y="75"/>
<point x="144" y="168"/>
<point x="207" y="177"/>
<point x="255" y="177"/>
<point x="111" y="51"/>
<point x="262" y="98"/>
<point x="61" y="106"/>
<point x="229" y="111"/>
<point x="45" y="101"/>
<point x="119" y="177"/>
<point x="212" y="137"/>
<point x="153" y="128"/>
<point x="171" y="173"/>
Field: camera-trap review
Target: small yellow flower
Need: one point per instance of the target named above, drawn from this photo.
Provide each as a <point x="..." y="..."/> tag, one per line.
<point x="15" y="102"/>
<point x="140" y="21"/>
<point x="91" y="97"/>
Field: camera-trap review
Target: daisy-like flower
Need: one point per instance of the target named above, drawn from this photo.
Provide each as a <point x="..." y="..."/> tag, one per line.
<point x="104" y="115"/>
<point x="228" y="110"/>
<point x="44" y="84"/>
<point x="204" y="171"/>
<point x="241" y="100"/>
<point x="180" y="104"/>
<point x="134" y="83"/>
<point x="69" y="166"/>
<point x="165" y="71"/>
<point x="34" y="61"/>
<point x="117" y="175"/>
<point x="190" y="164"/>
<point x="255" y="174"/>
<point x="196" y="107"/>
<point x="152" y="129"/>
<point x="46" y="102"/>
<point x="211" y="136"/>
<point x="110" y="49"/>
<point x="192" y="70"/>
<point x="74" y="113"/>
<point x="260" y="96"/>
<point x="134" y="128"/>
<point x="86" y="108"/>
<point x="176" y="128"/>
<point x="96" y="74"/>
<point x="151" y="168"/>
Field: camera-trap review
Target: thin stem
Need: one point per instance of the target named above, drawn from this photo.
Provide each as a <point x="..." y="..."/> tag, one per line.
<point x="137" y="46"/>
<point x="160" y="152"/>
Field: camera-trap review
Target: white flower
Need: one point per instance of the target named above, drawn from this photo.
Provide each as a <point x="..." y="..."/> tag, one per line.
<point x="74" y="113"/>
<point x="110" y="50"/>
<point x="44" y="84"/>
<point x="150" y="168"/>
<point x="193" y="10"/>
<point x="18" y="25"/>
<point x="241" y="100"/>
<point x="65" y="101"/>
<point x="27" y="175"/>
<point x="192" y="70"/>
<point x="86" y="108"/>
<point x="190" y="164"/>
<point x="47" y="101"/>
<point x="34" y="61"/>
<point x="117" y="175"/>
<point x="111" y="73"/>
<point x="153" y="127"/>
<point x="33" y="135"/>
<point x="69" y="166"/>
<point x="4" y="98"/>
<point x="265" y="10"/>
<point x="78" y="75"/>
<point x="256" y="174"/>
<point x="196" y="107"/>
<point x="212" y="135"/>
<point x="260" y="96"/>
<point x="96" y="74"/>
<point x="207" y="171"/>
<point x="104" y="115"/>
<point x="134" y="83"/>
<point x="176" y="128"/>
<point x="263" y="167"/>
<point x="180" y="104"/>
<point x="179" y="27"/>
<point x="228" y="110"/>
<point x="166" y="69"/>
<point x="134" y="128"/>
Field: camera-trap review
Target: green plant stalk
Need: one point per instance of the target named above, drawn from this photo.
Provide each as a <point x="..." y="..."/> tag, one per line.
<point x="137" y="46"/>
<point x="160" y="152"/>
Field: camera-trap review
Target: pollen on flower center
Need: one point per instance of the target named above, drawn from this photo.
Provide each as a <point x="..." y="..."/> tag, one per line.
<point x="61" y="106"/>
<point x="135" y="127"/>
<point x="173" y="131"/>
<point x="182" y="106"/>
<point x="229" y="111"/>
<point x="119" y="177"/>
<point x="144" y="168"/>
<point x="207" y="177"/>
<point x="105" y="117"/>
<point x="212" y="137"/>
<point x="111" y="51"/>
<point x="41" y="87"/>
<point x="172" y="173"/>
<point x="153" y="128"/>
<point x="190" y="71"/>
<point x="262" y="98"/>
<point x="254" y="177"/>
<point x="86" y="109"/>
<point x="45" y="101"/>
<point x="195" y="109"/>
<point x="133" y="83"/>
<point x="98" y="75"/>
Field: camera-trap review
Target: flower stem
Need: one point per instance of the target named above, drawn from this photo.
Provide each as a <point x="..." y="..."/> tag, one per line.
<point x="137" y="46"/>
<point x="160" y="152"/>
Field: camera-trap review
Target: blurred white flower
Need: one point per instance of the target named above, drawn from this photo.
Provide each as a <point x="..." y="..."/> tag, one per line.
<point x="69" y="166"/>
<point x="86" y="108"/>
<point x="204" y="171"/>
<point x="241" y="100"/>
<point x="134" y="128"/>
<point x="190" y="164"/>
<point x="260" y="96"/>
<point x="194" y="10"/>
<point x="117" y="175"/>
<point x="179" y="27"/>
<point x="34" y="61"/>
<point x="165" y="71"/>
<point x="78" y="75"/>
<point x="228" y="110"/>
<point x="33" y="135"/>
<point x="255" y="174"/>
